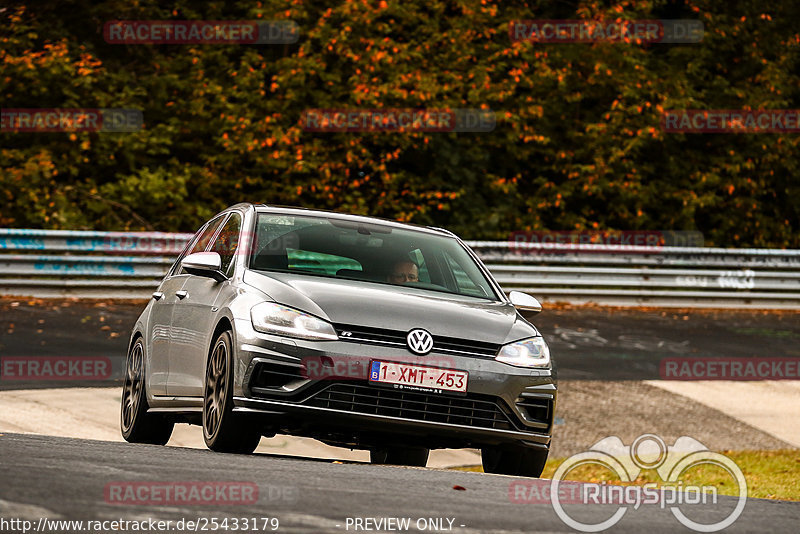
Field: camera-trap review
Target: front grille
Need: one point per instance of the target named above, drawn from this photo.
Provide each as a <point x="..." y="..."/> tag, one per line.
<point x="467" y="411"/>
<point x="397" y="338"/>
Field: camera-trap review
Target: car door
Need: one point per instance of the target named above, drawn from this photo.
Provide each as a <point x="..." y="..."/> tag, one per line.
<point x="159" y="325"/>
<point x="193" y="317"/>
<point x="159" y="334"/>
<point x="160" y="329"/>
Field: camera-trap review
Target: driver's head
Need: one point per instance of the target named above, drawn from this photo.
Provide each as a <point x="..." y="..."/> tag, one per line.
<point x="403" y="271"/>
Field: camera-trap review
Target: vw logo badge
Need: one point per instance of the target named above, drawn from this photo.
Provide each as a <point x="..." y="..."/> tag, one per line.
<point x="419" y="341"/>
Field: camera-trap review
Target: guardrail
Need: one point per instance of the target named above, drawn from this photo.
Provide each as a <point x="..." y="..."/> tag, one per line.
<point x="54" y="263"/>
<point x="618" y="275"/>
<point x="61" y="263"/>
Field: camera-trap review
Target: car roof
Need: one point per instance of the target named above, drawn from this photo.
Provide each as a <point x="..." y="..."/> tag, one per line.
<point x="288" y="210"/>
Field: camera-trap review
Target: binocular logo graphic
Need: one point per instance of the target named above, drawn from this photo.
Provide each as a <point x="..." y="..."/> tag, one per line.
<point x="647" y="452"/>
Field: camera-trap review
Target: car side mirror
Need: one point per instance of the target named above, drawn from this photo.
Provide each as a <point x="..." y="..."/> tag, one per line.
<point x="208" y="264"/>
<point x="526" y="305"/>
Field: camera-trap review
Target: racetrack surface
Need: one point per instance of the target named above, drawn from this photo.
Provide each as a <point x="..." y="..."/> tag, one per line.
<point x="601" y="353"/>
<point x="308" y="495"/>
<point x="588" y="343"/>
<point x="587" y="412"/>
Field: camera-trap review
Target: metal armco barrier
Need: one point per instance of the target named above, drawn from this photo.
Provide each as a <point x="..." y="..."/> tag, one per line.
<point x="55" y="263"/>
<point x="61" y="263"/>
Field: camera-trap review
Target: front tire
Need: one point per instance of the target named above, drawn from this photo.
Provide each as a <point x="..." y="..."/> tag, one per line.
<point x="223" y="431"/>
<point x="415" y="457"/>
<point x="516" y="461"/>
<point x="136" y="424"/>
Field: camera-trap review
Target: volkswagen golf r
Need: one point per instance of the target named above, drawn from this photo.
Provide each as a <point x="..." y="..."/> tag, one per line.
<point x="359" y="332"/>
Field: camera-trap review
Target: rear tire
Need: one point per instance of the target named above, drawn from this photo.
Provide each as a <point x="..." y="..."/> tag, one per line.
<point x="136" y="424"/>
<point x="411" y="456"/>
<point x="516" y="461"/>
<point x="223" y="430"/>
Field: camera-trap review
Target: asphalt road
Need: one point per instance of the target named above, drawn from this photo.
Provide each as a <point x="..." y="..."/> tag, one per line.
<point x="587" y="343"/>
<point x="70" y="479"/>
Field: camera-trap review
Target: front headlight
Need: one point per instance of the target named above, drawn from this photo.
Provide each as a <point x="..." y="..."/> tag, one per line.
<point x="531" y="352"/>
<point x="274" y="318"/>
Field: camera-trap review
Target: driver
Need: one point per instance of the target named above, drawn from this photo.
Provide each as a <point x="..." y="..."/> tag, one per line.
<point x="403" y="271"/>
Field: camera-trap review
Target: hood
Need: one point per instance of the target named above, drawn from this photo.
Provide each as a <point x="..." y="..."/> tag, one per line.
<point x="394" y="307"/>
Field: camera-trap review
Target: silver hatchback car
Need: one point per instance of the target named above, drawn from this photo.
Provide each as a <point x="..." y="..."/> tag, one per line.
<point x="356" y="331"/>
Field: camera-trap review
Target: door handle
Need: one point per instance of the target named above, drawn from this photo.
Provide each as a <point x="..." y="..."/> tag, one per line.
<point x="182" y="294"/>
<point x="158" y="295"/>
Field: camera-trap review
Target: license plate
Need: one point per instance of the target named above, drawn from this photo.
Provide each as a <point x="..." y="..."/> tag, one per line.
<point x="415" y="376"/>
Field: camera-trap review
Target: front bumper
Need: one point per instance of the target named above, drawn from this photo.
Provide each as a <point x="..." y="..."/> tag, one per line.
<point x="504" y="404"/>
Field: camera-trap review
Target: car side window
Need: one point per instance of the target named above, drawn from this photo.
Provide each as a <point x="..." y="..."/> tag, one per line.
<point x="227" y="242"/>
<point x="200" y="243"/>
<point x="189" y="244"/>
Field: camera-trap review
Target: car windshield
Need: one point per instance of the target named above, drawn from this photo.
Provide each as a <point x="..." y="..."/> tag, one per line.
<point x="367" y="251"/>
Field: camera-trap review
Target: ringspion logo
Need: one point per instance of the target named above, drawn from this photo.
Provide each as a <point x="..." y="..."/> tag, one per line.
<point x="648" y="452"/>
